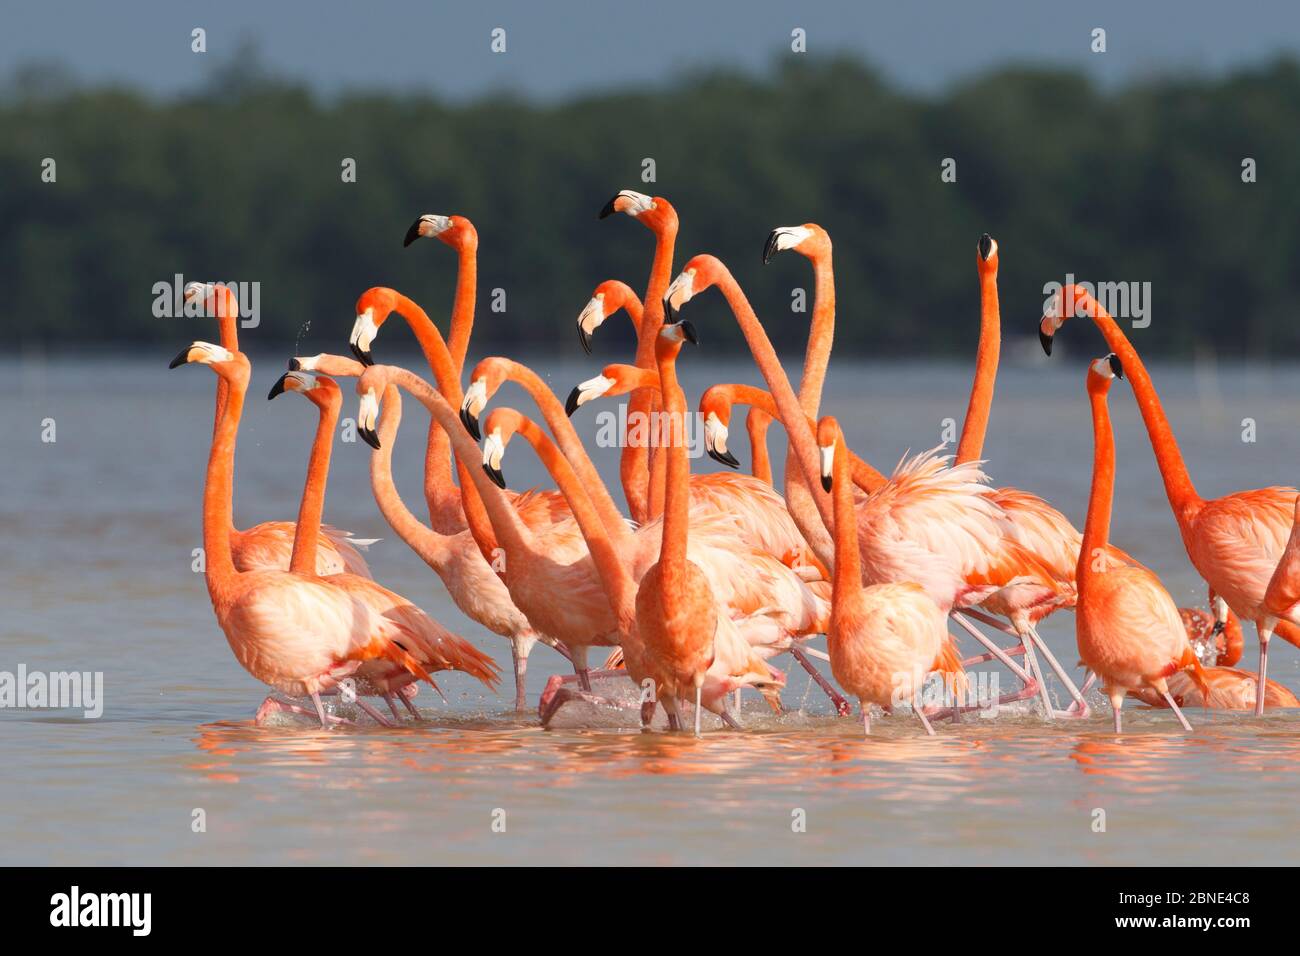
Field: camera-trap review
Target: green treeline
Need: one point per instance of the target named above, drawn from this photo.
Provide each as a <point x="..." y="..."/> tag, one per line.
<point x="242" y="182"/>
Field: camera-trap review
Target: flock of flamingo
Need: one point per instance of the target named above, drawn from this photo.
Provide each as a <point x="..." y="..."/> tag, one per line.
<point x="707" y="578"/>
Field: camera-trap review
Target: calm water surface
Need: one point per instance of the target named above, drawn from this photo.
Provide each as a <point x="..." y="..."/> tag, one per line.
<point x="97" y="530"/>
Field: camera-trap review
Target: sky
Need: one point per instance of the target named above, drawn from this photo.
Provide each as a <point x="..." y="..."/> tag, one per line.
<point x="559" y="48"/>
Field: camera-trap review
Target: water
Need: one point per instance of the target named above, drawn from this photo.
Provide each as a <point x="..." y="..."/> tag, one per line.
<point x="96" y="532"/>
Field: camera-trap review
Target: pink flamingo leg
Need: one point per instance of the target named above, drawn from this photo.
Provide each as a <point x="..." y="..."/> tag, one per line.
<point x="1265" y="633"/>
<point x="1055" y="665"/>
<point x="842" y="707"/>
<point x="1011" y="697"/>
<point x="273" y="705"/>
<point x="993" y="649"/>
<point x="920" y="712"/>
<point x="374" y="714"/>
<point x="1087" y="686"/>
<point x="519" y="657"/>
<point x="866" y="717"/>
<point x="1177" y="713"/>
<point x="392" y="706"/>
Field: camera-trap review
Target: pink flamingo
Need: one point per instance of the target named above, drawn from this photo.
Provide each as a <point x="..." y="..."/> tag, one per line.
<point x="1235" y="542"/>
<point x="1126" y="624"/>
<point x="637" y="470"/>
<point x="267" y="546"/>
<point x="884" y="639"/>
<point x="296" y="631"/>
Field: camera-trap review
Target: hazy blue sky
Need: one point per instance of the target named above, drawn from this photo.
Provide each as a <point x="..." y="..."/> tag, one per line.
<point x="557" y="47"/>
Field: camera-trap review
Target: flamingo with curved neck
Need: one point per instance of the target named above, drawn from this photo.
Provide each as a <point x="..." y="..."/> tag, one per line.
<point x="269" y="545"/>
<point x="1235" y="542"/>
<point x="1127" y="627"/>
<point x="358" y="628"/>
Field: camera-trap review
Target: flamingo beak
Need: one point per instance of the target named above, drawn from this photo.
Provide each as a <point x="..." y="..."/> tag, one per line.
<point x="688" y="332"/>
<point x="369" y="437"/>
<point x="278" y="387"/>
<point x="412" y="234"/>
<point x="182" y="357"/>
<point x="609" y="208"/>
<point x="724" y="457"/>
<point x="769" y="247"/>
<point x="573" y="401"/>
<point x="1115" y="365"/>
<point x="498" y="479"/>
<point x="1045" y="339"/>
<point x="986" y="246"/>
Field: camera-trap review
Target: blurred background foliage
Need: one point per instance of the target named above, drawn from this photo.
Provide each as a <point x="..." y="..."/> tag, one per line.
<point x="241" y="181"/>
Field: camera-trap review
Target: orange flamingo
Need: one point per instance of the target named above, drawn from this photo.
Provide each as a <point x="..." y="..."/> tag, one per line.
<point x="1235" y="542"/>
<point x="457" y="559"/>
<point x="267" y="546"/>
<point x="676" y="613"/>
<point x="1127" y="626"/>
<point x="610" y="296"/>
<point x="294" y="630"/>
<point x="636" y="469"/>
<point x="884" y="639"/>
<point x="1230" y="689"/>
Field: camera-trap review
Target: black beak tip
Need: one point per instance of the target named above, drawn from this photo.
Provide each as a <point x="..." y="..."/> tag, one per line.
<point x="471" y="424"/>
<point x="826" y="483"/>
<point x="1115" y="365"/>
<point x="369" y="437"/>
<point x="495" y="474"/>
<point x="363" y="356"/>
<point x="986" y="246"/>
<point x="1046" y="341"/>
<point x="607" y="210"/>
<point x="688" y="332"/>
<point x="277" y="388"/>
<point x="585" y="339"/>
<point x="572" y="402"/>
<point x="294" y="365"/>
<point x="769" y="247"/>
<point x="670" y="311"/>
<point x="1218" y="629"/>
<point x="724" y="457"/>
<point x="412" y="234"/>
<point x="181" y="358"/>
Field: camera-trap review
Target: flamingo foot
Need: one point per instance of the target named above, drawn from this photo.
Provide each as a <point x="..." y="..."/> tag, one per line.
<point x="842" y="708"/>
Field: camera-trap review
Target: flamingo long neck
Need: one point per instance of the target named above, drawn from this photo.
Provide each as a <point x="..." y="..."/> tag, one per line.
<point x="847" y="577"/>
<point x="1179" y="489"/>
<point x="975" y="427"/>
<point x="677" y="496"/>
<point x="802" y="442"/>
<point x="307" y="532"/>
<point x="570" y="444"/>
<point x="495" y="519"/>
<point x="614" y="575"/>
<point x="462" y="309"/>
<point x="756" y="425"/>
<point x="1096" y="528"/>
<point x="821" y="335"/>
<point x="228" y="329"/>
<point x="218" y="491"/>
<point x="440" y="492"/>
<point x="432" y="547"/>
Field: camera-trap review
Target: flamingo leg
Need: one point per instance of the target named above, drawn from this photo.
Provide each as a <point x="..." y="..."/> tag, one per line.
<point x="1055" y="665"/>
<point x="1011" y="697"/>
<point x="699" y="688"/>
<point x="1177" y="713"/>
<point x="415" y="711"/>
<point x="920" y="712"/>
<point x="1265" y="632"/>
<point x="866" y="717"/>
<point x="1087" y="686"/>
<point x="320" y="710"/>
<point x="272" y="704"/>
<point x="519" y="657"/>
<point x="737" y="699"/>
<point x="1032" y="659"/>
<point x="842" y="707"/>
<point x="992" y="648"/>
<point x="727" y="719"/>
<point x="1116" y="705"/>
<point x="392" y="706"/>
<point x="374" y="714"/>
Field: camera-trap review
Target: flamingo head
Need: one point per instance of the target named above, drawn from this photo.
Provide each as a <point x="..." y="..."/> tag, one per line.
<point x="373" y="309"/>
<point x="828" y="438"/>
<point x="594" y="388"/>
<point x="654" y="212"/>
<point x="339" y="365"/>
<point x="809" y="240"/>
<point x="500" y="427"/>
<point x="483" y="384"/>
<point x="715" y="435"/>
<point x="456" y="231"/>
<point x="319" y="390"/>
<point x="699" y="274"/>
<point x="610" y="296"/>
<point x="1103" y="371"/>
<point x="231" y="366"/>
<point x="217" y="300"/>
<point x="672" y="336"/>
<point x="986" y="259"/>
<point x="1065" y="303"/>
<point x="370" y="386"/>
